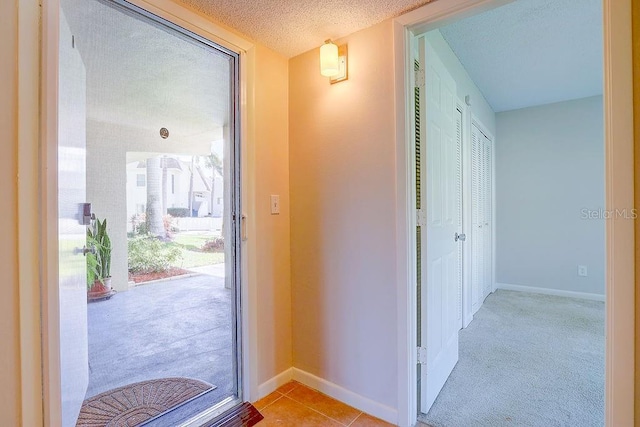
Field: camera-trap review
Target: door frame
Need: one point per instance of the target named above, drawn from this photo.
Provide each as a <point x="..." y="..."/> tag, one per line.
<point x="37" y="198"/>
<point x="619" y="178"/>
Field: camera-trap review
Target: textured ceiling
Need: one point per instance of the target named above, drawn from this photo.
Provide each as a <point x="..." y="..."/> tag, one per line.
<point x="532" y="52"/>
<point x="292" y="27"/>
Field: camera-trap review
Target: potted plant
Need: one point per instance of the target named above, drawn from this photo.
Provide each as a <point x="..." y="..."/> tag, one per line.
<point x="99" y="261"/>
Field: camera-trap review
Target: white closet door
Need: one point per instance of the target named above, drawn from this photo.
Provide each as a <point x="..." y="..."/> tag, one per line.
<point x="486" y="226"/>
<point x="481" y="206"/>
<point x="459" y="205"/>
<point x="477" y="218"/>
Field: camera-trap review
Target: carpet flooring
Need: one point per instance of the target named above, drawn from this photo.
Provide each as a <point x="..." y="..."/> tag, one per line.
<point x="527" y="360"/>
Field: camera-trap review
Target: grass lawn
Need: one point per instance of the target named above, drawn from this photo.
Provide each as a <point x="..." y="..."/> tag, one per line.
<point x="190" y="246"/>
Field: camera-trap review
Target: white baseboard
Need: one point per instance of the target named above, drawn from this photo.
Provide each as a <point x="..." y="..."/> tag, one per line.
<point x="547" y="291"/>
<point x="362" y="403"/>
<point x="272" y="384"/>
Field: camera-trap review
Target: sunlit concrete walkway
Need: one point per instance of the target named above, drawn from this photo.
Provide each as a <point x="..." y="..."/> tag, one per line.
<point x="179" y="327"/>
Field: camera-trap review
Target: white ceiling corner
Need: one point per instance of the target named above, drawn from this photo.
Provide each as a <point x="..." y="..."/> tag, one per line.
<point x="532" y="52"/>
<point x="292" y="27"/>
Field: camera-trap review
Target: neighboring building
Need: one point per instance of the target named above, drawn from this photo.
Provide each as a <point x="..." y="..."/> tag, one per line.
<point x="177" y="188"/>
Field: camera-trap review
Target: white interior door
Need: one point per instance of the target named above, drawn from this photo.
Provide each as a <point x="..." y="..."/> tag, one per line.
<point x="486" y="226"/>
<point x="74" y="365"/>
<point x="477" y="219"/>
<point x="481" y="212"/>
<point x="481" y="217"/>
<point x="440" y="256"/>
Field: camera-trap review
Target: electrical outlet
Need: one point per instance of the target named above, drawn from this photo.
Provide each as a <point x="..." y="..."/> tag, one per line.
<point x="582" y="270"/>
<point x="275" y="204"/>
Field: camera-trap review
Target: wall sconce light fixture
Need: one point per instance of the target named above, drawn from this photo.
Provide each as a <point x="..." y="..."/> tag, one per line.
<point x="333" y="61"/>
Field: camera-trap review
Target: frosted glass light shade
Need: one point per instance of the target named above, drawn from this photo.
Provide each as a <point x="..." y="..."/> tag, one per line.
<point x="329" y="60"/>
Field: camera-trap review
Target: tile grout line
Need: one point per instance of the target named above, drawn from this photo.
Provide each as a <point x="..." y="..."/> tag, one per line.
<point x="292" y="388"/>
<point x="321" y="413"/>
<point x="356" y="418"/>
<point x="278" y="398"/>
<point x="271" y="403"/>
<point x="297" y="385"/>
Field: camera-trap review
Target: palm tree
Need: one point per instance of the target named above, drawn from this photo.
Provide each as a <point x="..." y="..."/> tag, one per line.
<point x="154" y="202"/>
<point x="214" y="163"/>
<point x="163" y="165"/>
<point x="191" y="170"/>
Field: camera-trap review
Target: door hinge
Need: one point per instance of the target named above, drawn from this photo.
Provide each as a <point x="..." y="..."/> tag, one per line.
<point x="419" y="78"/>
<point x="421" y="218"/>
<point x="422" y="355"/>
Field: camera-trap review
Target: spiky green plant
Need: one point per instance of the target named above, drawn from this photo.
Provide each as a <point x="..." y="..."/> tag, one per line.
<point x="98" y="263"/>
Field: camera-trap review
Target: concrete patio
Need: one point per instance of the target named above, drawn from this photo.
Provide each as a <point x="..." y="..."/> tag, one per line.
<point x="179" y="327"/>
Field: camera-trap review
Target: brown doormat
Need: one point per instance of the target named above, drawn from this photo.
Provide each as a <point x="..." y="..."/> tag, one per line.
<point x="245" y="415"/>
<point x="136" y="403"/>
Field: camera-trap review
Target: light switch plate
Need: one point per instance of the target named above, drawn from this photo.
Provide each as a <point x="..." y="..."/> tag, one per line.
<point x="275" y="204"/>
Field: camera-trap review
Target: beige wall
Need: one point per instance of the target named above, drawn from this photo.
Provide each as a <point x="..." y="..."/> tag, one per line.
<point x="272" y="231"/>
<point x="342" y="166"/>
<point x="9" y="332"/>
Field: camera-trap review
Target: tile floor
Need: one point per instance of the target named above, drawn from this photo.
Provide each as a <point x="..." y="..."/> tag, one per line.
<point x="295" y="404"/>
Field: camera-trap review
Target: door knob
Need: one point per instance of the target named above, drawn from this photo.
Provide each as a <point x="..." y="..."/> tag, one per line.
<point x="461" y="237"/>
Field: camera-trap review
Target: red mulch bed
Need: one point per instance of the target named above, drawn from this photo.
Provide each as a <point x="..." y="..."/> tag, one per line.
<point x="147" y="277"/>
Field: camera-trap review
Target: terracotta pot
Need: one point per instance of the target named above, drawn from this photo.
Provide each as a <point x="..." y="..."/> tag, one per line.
<point x="100" y="289"/>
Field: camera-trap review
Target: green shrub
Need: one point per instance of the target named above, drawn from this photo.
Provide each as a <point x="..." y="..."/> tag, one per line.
<point x="151" y="255"/>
